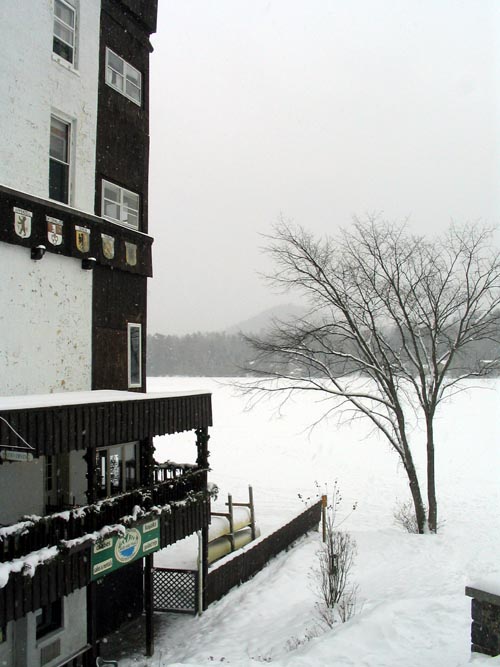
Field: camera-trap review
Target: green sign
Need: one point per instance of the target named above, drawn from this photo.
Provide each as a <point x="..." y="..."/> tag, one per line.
<point x="113" y="552"/>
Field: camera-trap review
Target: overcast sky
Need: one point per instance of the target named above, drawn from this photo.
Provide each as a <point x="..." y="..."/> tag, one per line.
<point x="317" y="110"/>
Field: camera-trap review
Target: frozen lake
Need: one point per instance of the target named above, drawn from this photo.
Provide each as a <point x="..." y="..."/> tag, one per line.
<point x="413" y="610"/>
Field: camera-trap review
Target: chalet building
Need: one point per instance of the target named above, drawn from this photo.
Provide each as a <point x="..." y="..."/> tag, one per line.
<point x="82" y="504"/>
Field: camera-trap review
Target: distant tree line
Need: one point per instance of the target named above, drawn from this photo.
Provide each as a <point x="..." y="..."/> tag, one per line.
<point x="207" y="354"/>
<point x="219" y="354"/>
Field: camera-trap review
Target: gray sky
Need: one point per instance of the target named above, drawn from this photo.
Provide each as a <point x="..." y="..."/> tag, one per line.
<point x="316" y="109"/>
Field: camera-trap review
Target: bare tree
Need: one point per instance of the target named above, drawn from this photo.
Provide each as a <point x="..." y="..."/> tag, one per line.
<point x="393" y="324"/>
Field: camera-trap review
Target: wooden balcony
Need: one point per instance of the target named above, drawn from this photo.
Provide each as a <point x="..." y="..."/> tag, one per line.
<point x="58" y="528"/>
<point x="182" y="506"/>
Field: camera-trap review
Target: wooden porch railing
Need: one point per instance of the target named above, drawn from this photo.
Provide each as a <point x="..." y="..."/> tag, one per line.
<point x="35" y="533"/>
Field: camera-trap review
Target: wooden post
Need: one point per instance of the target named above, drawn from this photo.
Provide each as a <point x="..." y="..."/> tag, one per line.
<point x="89" y="457"/>
<point x="92" y="620"/>
<point x="204" y="539"/>
<point x="252" y="511"/>
<point x="148" y="604"/>
<point x="323" y="516"/>
<point x="202" y="439"/>
<point x="231" y="520"/>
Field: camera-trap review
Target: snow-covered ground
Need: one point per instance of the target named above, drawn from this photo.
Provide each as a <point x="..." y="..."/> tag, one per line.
<point x="412" y="607"/>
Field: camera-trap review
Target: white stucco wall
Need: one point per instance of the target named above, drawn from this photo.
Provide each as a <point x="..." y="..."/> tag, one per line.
<point x="50" y="301"/>
<point x="22" y="487"/>
<point x="22" y="649"/>
<point x="36" y="83"/>
<point x="6" y="650"/>
<point x="77" y="478"/>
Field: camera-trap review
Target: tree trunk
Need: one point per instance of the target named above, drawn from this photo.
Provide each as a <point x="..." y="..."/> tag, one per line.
<point x="416" y="494"/>
<point x="411" y="472"/>
<point x="431" y="477"/>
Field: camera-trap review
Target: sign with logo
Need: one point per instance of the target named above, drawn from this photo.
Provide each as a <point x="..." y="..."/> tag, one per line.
<point x="130" y="253"/>
<point x="82" y="238"/>
<point x="108" y="246"/>
<point x="114" y="552"/>
<point x="22" y="222"/>
<point x="54" y="230"/>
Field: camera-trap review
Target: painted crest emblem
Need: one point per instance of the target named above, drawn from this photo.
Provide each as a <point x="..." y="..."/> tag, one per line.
<point x="127" y="547"/>
<point x="54" y="230"/>
<point x="108" y="246"/>
<point x="82" y="238"/>
<point x="130" y="253"/>
<point x="22" y="222"/>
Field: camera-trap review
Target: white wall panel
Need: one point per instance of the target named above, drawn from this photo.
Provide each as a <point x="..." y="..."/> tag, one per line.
<point x="45" y="323"/>
<point x="36" y="83"/>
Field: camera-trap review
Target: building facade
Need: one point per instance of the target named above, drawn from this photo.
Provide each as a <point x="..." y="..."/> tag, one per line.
<point x="82" y="505"/>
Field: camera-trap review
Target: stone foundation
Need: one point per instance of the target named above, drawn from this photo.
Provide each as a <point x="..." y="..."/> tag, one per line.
<point x="485" y="627"/>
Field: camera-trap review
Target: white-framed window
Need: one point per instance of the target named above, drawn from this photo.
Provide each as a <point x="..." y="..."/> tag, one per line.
<point x="134" y="345"/>
<point x="64" y="30"/>
<point x="124" y="78"/>
<point x="120" y="205"/>
<point x="59" y="160"/>
<point x="117" y="468"/>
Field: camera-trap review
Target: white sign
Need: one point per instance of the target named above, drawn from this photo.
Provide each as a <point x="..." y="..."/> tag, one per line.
<point x="10" y="455"/>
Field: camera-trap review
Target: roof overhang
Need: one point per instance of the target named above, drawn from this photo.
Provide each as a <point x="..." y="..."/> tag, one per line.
<point x="67" y="421"/>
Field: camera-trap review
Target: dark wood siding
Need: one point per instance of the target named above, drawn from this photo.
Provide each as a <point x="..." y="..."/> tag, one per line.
<point x="118" y="298"/>
<point x="122" y="148"/>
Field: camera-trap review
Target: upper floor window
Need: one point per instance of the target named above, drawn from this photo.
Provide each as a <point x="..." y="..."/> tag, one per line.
<point x="64" y="30"/>
<point x="120" y="205"/>
<point x="134" y="355"/>
<point x="123" y="77"/>
<point x="60" y="133"/>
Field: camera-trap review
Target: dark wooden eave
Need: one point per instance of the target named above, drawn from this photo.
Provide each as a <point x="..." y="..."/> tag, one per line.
<point x="72" y="218"/>
<point x="70" y="421"/>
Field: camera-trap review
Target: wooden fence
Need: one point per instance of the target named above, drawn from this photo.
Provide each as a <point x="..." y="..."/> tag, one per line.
<point x="244" y="566"/>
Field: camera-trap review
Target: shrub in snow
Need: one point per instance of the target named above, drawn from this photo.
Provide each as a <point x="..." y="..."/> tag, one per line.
<point x="337" y="595"/>
<point x="404" y="515"/>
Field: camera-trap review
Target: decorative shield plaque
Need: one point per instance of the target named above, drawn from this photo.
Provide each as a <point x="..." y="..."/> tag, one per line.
<point x="22" y="222"/>
<point x="130" y="253"/>
<point x="54" y="230"/>
<point x="108" y="246"/>
<point x="82" y="238"/>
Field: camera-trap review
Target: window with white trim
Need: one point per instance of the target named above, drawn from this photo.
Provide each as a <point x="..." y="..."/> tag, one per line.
<point x="124" y="78"/>
<point x="120" y="205"/>
<point x="134" y="355"/>
<point x="117" y="469"/>
<point x="59" y="160"/>
<point x="64" y="30"/>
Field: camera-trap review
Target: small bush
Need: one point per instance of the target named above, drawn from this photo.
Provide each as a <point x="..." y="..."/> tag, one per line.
<point x="404" y="515"/>
<point x="337" y="596"/>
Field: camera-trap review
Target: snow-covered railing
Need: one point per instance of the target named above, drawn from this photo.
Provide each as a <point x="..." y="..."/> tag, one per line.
<point x="36" y="532"/>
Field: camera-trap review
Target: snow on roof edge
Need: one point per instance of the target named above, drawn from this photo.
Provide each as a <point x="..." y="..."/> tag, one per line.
<point x="30" y="401"/>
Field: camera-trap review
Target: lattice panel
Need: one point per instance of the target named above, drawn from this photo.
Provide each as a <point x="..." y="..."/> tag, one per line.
<point x="175" y="590"/>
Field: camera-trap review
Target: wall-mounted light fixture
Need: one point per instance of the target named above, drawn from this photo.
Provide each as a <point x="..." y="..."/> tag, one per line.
<point x="88" y="263"/>
<point x="38" y="252"/>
